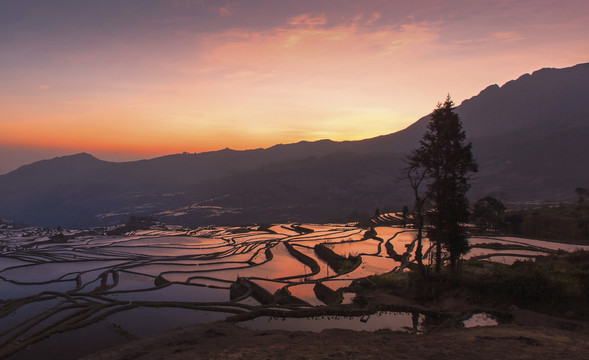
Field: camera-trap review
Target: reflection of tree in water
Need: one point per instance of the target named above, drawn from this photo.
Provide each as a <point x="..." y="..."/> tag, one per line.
<point x="57" y="282"/>
<point x="53" y="284"/>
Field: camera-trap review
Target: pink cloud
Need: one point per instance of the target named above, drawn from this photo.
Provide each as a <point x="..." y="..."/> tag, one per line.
<point x="308" y="20"/>
<point x="346" y="45"/>
<point x="342" y="73"/>
<point x="375" y="17"/>
<point x="499" y="36"/>
<point x="359" y="72"/>
<point x="185" y="3"/>
<point x="228" y="9"/>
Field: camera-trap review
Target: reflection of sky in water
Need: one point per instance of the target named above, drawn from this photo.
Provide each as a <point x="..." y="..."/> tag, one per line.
<point x="14" y="291"/>
<point x="6" y="262"/>
<point x="480" y="251"/>
<point x="282" y="265"/>
<point x="336" y="284"/>
<point x="144" y="321"/>
<point x="305" y="292"/>
<point x="314" y="238"/>
<point x="176" y="292"/>
<point x="480" y="319"/>
<point x="402" y="240"/>
<point x="369" y="246"/>
<point x="529" y="242"/>
<point x="172" y="240"/>
<point x="201" y="265"/>
<point x="394" y="321"/>
<point x="280" y="229"/>
<point x="324" y="271"/>
<point x="130" y="281"/>
<point x="377" y="264"/>
<point x="182" y="272"/>
<point x="270" y="285"/>
<point x="24" y="312"/>
<point x="164" y="251"/>
<point x="383" y="320"/>
<point x="52" y="271"/>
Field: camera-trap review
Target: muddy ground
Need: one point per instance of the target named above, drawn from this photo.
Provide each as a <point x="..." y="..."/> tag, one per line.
<point x="530" y="336"/>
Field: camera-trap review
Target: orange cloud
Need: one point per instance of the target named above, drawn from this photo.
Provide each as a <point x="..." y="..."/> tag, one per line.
<point x="500" y="36"/>
<point x="345" y="47"/>
<point x="314" y="76"/>
<point x="244" y="89"/>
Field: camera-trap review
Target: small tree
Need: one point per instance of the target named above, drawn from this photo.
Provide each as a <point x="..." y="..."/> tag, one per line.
<point x="448" y="163"/>
<point x="513" y="223"/>
<point x="581" y="194"/>
<point x="583" y="226"/>
<point x="488" y="213"/>
<point x="416" y="175"/>
<point x="405" y="215"/>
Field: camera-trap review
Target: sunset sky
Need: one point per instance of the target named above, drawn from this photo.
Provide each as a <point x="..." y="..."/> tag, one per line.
<point x="129" y="79"/>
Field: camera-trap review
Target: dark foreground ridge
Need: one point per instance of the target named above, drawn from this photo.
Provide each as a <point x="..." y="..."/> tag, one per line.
<point x="226" y="341"/>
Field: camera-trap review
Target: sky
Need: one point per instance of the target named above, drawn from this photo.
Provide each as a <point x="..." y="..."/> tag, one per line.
<point x="131" y="79"/>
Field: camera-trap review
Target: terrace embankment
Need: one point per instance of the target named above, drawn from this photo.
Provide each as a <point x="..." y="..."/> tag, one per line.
<point x="555" y="285"/>
<point x="528" y="335"/>
<point x="150" y="280"/>
<point x="338" y="263"/>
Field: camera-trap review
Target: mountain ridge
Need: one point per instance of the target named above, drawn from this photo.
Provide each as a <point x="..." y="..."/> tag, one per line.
<point x="526" y="136"/>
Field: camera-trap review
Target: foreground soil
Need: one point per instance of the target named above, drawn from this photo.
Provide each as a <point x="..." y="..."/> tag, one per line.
<point x="223" y="340"/>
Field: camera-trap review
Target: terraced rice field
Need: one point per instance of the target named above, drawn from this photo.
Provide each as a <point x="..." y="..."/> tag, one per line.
<point x="72" y="294"/>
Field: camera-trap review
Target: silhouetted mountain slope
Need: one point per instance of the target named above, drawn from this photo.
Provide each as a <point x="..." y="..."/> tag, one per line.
<point x="527" y="165"/>
<point x="545" y="101"/>
<point x="327" y="188"/>
<point x="548" y="99"/>
<point x="56" y="170"/>
<point x="528" y="136"/>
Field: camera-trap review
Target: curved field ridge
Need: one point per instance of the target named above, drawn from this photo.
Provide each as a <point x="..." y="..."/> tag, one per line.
<point x="57" y="285"/>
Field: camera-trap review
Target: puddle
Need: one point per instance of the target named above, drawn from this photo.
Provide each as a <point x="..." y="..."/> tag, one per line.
<point x="385" y="320"/>
<point x="394" y="321"/>
<point x="480" y="319"/>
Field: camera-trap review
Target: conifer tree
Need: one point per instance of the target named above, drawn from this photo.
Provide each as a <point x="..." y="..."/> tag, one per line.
<point x="448" y="163"/>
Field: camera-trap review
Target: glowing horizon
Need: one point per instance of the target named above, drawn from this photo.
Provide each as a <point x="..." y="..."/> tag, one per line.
<point x="149" y="78"/>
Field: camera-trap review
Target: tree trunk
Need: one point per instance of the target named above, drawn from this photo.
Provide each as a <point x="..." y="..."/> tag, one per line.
<point x="419" y="249"/>
<point x="438" y="257"/>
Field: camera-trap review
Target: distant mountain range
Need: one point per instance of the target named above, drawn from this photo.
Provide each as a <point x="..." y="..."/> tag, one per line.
<point x="529" y="137"/>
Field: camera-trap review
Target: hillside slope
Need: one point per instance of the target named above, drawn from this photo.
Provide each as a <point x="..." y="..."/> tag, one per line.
<point x="528" y="136"/>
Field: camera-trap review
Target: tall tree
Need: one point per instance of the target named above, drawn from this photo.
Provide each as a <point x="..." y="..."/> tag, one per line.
<point x="447" y="160"/>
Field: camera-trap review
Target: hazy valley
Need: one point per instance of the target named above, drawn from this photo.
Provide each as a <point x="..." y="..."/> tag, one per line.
<point x="528" y="137"/>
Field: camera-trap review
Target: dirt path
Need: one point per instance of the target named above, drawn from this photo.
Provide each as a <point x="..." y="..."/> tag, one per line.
<point x="226" y="341"/>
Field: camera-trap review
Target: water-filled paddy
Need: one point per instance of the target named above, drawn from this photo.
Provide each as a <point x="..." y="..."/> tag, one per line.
<point x="385" y="320"/>
<point x="104" y="289"/>
<point x="395" y="321"/>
